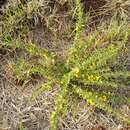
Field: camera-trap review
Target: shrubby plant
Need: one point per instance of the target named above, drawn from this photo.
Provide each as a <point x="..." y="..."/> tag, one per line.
<point x="91" y="70"/>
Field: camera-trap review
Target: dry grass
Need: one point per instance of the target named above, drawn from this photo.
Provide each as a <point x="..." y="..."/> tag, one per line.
<point x="57" y="20"/>
<point x="15" y="109"/>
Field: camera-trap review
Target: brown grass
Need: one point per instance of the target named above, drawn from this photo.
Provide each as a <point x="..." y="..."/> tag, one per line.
<point x="53" y="28"/>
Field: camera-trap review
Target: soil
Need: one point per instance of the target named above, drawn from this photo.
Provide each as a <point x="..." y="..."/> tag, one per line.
<point x="14" y="107"/>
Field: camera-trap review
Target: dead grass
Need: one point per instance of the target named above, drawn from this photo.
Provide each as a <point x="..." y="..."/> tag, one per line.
<point x="53" y="28"/>
<point x="15" y="109"/>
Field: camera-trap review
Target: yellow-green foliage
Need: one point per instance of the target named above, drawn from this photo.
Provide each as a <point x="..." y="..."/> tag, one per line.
<point x="17" y="13"/>
<point x="89" y="66"/>
<point x="21" y="127"/>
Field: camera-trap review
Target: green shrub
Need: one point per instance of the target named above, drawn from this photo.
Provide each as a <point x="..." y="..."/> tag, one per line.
<point x="90" y="71"/>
